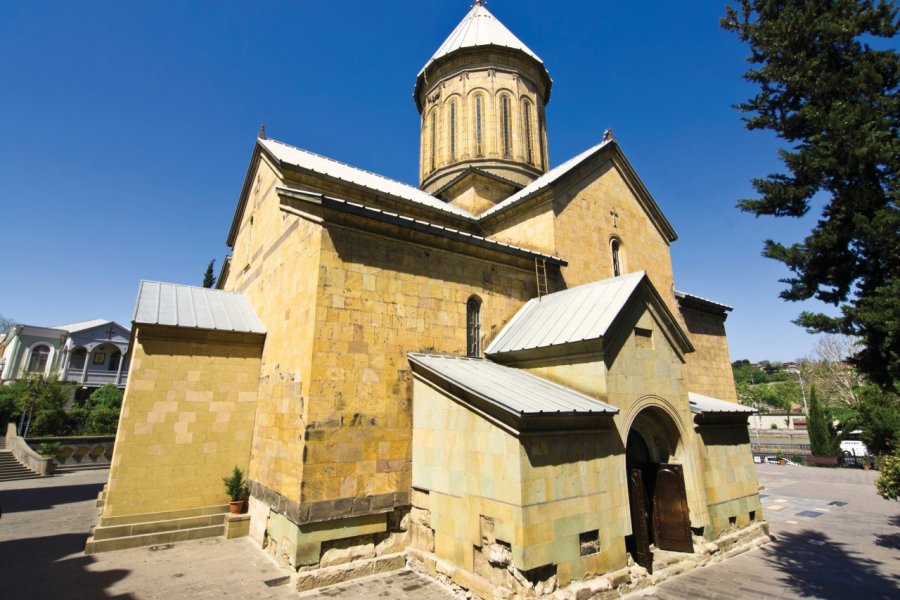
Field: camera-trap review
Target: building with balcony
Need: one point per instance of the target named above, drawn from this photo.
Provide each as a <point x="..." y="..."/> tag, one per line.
<point x="89" y="353"/>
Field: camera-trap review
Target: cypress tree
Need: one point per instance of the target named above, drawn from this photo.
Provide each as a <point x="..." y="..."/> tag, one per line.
<point x="209" y="280"/>
<point x="821" y="437"/>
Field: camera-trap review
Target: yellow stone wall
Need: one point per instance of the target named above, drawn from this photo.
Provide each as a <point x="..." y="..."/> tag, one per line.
<point x="709" y="366"/>
<point x="378" y="299"/>
<point x="281" y="280"/>
<point x="730" y="476"/>
<point x="186" y="419"/>
<point x="577" y="225"/>
<point x="538" y="493"/>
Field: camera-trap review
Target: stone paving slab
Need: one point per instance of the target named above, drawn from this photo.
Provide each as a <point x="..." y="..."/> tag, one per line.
<point x="836" y="539"/>
<point x="852" y="550"/>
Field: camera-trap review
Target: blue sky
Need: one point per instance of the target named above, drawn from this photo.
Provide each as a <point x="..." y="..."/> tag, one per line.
<point x="127" y="129"/>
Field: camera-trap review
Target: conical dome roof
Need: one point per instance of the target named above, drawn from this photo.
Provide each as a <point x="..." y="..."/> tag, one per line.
<point x="480" y="28"/>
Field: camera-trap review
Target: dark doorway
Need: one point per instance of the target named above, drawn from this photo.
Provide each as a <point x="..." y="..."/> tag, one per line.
<point x="658" y="502"/>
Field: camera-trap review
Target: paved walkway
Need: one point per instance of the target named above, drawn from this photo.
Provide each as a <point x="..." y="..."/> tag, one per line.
<point x="836" y="539"/>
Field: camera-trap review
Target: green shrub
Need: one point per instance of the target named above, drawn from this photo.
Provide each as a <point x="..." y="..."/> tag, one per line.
<point x="235" y="485"/>
<point x="888" y="485"/>
<point x="49" y="449"/>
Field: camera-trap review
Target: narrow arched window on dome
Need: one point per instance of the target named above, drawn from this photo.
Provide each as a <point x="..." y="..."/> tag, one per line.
<point x="507" y="142"/>
<point x="616" y="249"/>
<point x="479" y="119"/>
<point x="526" y="123"/>
<point x="433" y="139"/>
<point x="453" y="131"/>
<point x="541" y="139"/>
<point x="473" y="327"/>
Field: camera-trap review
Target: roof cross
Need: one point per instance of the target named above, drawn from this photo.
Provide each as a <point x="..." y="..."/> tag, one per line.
<point x="110" y="332"/>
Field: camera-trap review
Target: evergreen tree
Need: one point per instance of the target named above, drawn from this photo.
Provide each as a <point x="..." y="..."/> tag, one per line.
<point x="821" y="437"/>
<point x="209" y="280"/>
<point x="833" y="99"/>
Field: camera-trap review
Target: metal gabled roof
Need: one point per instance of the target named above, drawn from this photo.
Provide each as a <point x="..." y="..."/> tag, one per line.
<point x="333" y="169"/>
<point x="581" y="313"/>
<point x="701" y="404"/>
<point x="514" y="391"/>
<point x="191" y="307"/>
<point x="479" y="28"/>
<point x="543" y="181"/>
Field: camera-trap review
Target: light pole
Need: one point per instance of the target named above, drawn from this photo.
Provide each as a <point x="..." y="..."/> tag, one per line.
<point x="802" y="390"/>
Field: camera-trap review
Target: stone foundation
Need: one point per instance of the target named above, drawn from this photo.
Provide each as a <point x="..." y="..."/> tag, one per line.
<point x="496" y="578"/>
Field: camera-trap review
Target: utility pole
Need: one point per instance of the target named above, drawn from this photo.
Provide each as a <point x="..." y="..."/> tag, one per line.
<point x="802" y="390"/>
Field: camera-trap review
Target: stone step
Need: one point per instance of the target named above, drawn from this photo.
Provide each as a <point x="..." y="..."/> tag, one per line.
<point x="77" y="467"/>
<point x="26" y="475"/>
<point x="163" y="516"/>
<point x="94" y="546"/>
<point x="106" y="532"/>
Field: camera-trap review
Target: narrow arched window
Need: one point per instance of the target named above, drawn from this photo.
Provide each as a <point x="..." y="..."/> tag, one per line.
<point x="453" y="131"/>
<point x="479" y="118"/>
<point x="507" y="141"/>
<point x="526" y="124"/>
<point x="38" y="361"/>
<point x="114" y="361"/>
<point x="615" y="246"/>
<point x="433" y="139"/>
<point x="473" y="327"/>
<point x="79" y="355"/>
<point x="541" y="140"/>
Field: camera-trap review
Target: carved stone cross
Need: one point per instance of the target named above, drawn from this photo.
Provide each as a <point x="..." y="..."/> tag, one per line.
<point x="615" y="216"/>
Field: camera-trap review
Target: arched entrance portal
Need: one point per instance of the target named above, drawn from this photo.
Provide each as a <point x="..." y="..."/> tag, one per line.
<point x="656" y="490"/>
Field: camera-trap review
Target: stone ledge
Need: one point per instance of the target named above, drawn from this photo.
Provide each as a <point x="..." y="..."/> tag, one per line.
<point x="327" y="510"/>
<point x="317" y="578"/>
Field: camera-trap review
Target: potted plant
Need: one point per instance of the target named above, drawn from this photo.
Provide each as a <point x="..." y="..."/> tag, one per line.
<point x="236" y="488"/>
<point x="779" y="455"/>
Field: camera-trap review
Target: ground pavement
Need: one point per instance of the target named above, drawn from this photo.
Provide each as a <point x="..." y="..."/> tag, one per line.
<point x="836" y="540"/>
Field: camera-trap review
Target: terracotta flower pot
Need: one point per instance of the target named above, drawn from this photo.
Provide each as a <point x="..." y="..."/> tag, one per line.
<point x="235" y="507"/>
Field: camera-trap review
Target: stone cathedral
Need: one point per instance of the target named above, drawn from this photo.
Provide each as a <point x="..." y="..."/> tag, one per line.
<point x="491" y="377"/>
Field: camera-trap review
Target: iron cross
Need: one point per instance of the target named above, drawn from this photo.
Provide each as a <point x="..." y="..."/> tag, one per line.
<point x="110" y="332"/>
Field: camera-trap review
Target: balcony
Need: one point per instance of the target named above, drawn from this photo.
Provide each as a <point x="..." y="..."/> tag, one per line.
<point x="95" y="377"/>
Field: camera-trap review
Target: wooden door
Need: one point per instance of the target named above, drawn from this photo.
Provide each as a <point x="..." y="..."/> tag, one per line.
<point x="671" y="523"/>
<point x="637" y="500"/>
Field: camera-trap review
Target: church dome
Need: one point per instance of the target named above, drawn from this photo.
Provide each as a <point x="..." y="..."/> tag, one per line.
<point x="482" y="97"/>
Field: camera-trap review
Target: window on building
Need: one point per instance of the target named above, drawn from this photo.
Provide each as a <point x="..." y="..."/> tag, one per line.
<point x="541" y="139"/>
<point x="507" y="142"/>
<point x="526" y="124"/>
<point x="79" y="355"/>
<point x="479" y="112"/>
<point x="114" y="361"/>
<point x="473" y="327"/>
<point x="453" y="131"/>
<point x="616" y="248"/>
<point x="433" y="139"/>
<point x="37" y="363"/>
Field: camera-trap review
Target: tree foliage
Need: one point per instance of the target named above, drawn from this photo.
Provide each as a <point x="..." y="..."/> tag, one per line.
<point x="879" y="420"/>
<point x="5" y="324"/>
<point x="822" y="437"/>
<point x="833" y="98"/>
<point x="209" y="279"/>
<point x="43" y="403"/>
<point x="99" y="415"/>
<point x="888" y="484"/>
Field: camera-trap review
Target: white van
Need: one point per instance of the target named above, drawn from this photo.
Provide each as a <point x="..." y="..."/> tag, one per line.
<point x="854" y="448"/>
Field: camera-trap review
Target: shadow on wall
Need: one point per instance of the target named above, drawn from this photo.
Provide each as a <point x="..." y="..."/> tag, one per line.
<point x="38" y="568"/>
<point x="814" y="565"/>
<point x="24" y="500"/>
